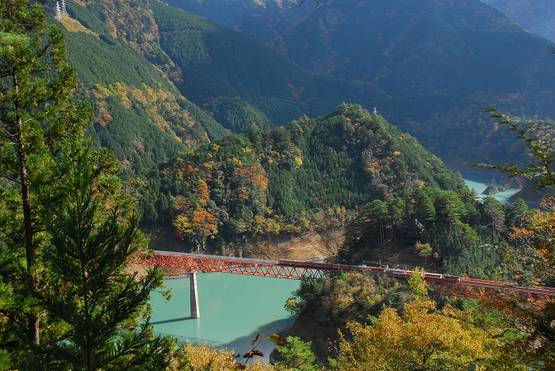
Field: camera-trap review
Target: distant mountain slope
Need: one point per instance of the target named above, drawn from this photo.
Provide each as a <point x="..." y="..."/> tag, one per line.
<point x="265" y="19"/>
<point x="243" y="81"/>
<point x="237" y="79"/>
<point x="140" y="114"/>
<point x="440" y="62"/>
<point x="537" y="16"/>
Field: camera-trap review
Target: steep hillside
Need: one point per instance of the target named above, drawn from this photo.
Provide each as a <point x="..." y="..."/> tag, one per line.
<point x="440" y="61"/>
<point x="288" y="180"/>
<point x="238" y="80"/>
<point x="140" y="114"/>
<point x="537" y="16"/>
<point x="243" y="81"/>
<point x="265" y="19"/>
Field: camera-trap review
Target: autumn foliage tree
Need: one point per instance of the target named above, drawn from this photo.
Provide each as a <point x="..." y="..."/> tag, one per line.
<point x="532" y="238"/>
<point x="423" y="337"/>
<point x="276" y="182"/>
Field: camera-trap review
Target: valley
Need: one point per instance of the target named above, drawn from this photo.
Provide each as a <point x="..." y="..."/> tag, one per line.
<point x="336" y="184"/>
<point x="438" y="63"/>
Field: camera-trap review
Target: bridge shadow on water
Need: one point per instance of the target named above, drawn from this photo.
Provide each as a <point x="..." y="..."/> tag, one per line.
<point x="172" y="320"/>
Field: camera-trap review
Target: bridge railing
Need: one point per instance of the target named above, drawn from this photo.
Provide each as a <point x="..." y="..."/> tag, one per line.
<point x="293" y="269"/>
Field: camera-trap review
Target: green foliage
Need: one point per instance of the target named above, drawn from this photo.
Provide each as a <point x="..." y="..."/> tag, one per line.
<point x="333" y="301"/>
<point x="243" y="81"/>
<point x="40" y="119"/>
<point x="424" y="249"/>
<point x="125" y="128"/>
<point x="451" y="53"/>
<point x="100" y="305"/>
<point x="450" y="230"/>
<point x="4" y="361"/>
<point x="418" y="285"/>
<point x="236" y="114"/>
<point x="388" y="324"/>
<point x="289" y="179"/>
<point x="540" y="144"/>
<point x="518" y="214"/>
<point x="296" y="354"/>
<point x="423" y="336"/>
<point x="103" y="61"/>
<point x="68" y="232"/>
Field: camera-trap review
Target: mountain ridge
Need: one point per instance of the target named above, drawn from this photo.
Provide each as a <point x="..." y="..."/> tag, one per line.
<point x="537" y="16"/>
<point x="290" y="179"/>
<point x="441" y="62"/>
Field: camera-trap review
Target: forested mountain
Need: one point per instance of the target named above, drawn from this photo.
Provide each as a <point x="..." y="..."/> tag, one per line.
<point x="290" y="179"/>
<point x="440" y="61"/>
<point x="264" y="19"/>
<point x="139" y="113"/>
<point x="537" y="16"/>
<point x="76" y="287"/>
<point x="243" y="81"/>
<point x="240" y="81"/>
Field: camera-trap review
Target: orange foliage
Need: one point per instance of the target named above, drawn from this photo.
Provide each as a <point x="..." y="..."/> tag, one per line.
<point x="540" y="233"/>
<point x="182" y="204"/>
<point x="190" y="169"/>
<point x="103" y="116"/>
<point x="255" y="174"/>
<point x="161" y="106"/>
<point x="203" y="192"/>
<point x="205" y="222"/>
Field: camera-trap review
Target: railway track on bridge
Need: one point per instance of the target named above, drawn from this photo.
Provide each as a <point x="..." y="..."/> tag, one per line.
<point x="297" y="270"/>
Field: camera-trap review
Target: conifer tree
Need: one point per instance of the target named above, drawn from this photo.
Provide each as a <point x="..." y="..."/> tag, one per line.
<point x="38" y="118"/>
<point x="101" y="306"/>
<point x="67" y="230"/>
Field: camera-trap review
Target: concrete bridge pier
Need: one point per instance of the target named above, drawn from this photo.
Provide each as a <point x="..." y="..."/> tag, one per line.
<point x="193" y="295"/>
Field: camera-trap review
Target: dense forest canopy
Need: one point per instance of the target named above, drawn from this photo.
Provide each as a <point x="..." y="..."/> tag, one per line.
<point x="122" y="115"/>
<point x="286" y="179"/>
<point x="139" y="113"/>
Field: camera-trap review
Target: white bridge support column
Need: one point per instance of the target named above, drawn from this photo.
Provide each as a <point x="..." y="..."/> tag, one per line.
<point x="193" y="295"/>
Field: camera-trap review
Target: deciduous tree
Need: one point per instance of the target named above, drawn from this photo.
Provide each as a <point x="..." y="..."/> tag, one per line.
<point x="422" y="338"/>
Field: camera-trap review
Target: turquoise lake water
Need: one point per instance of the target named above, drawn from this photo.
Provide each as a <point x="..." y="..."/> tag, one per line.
<point x="233" y="309"/>
<point x="481" y="187"/>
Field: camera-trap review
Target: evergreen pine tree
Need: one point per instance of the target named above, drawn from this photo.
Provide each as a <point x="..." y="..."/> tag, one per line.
<point x="102" y="307"/>
<point x="38" y="118"/>
<point x="67" y="231"/>
<point x="518" y="213"/>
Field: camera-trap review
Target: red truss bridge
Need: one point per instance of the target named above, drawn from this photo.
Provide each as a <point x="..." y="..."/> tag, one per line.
<point x="297" y="270"/>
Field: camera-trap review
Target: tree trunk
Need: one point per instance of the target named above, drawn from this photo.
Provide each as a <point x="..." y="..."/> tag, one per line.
<point x="34" y="325"/>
